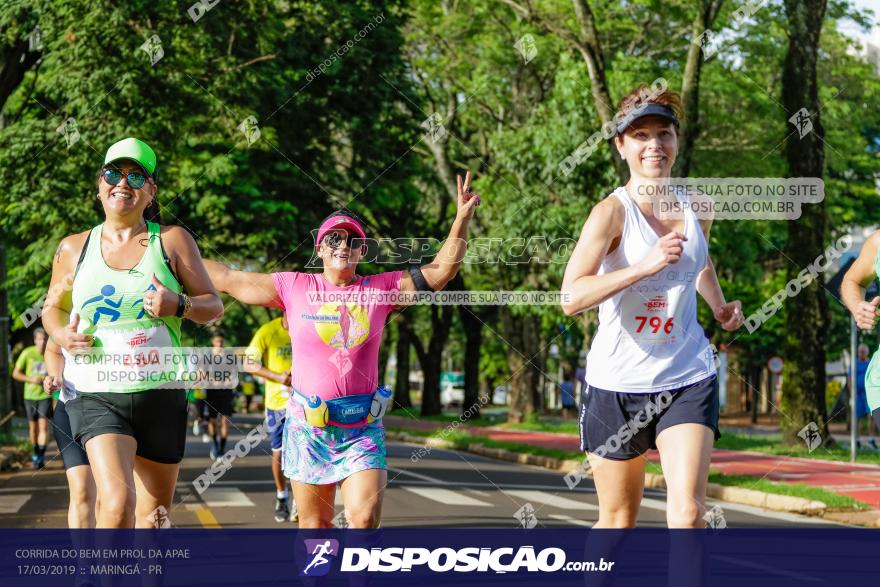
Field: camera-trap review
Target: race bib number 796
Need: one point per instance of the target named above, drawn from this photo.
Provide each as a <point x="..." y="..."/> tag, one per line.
<point x="650" y="318"/>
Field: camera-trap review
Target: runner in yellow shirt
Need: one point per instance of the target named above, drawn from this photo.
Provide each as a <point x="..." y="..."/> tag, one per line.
<point x="248" y="390"/>
<point x="270" y="353"/>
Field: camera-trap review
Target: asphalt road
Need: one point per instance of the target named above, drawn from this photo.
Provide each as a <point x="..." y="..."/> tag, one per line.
<point x="441" y="489"/>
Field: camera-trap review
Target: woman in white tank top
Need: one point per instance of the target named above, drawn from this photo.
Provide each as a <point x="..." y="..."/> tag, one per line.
<point x="650" y="370"/>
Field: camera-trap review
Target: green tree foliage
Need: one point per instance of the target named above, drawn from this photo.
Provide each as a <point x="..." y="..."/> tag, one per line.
<point x="345" y="125"/>
<point x="325" y="134"/>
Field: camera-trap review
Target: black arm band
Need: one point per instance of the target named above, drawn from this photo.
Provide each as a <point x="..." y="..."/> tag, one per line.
<point x="418" y="279"/>
<point x="180" y="306"/>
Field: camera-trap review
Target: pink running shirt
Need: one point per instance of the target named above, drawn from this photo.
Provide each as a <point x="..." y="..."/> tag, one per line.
<point x="335" y="345"/>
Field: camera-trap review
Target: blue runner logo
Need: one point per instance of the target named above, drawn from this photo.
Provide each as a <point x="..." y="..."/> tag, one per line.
<point x="321" y="552"/>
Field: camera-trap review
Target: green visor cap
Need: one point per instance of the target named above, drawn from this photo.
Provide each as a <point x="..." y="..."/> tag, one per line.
<point x="134" y="149"/>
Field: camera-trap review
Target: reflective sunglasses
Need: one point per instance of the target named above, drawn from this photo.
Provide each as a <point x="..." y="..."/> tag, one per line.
<point x="334" y="241"/>
<point x="135" y="179"/>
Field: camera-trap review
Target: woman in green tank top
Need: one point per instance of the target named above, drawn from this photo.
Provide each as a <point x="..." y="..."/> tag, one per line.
<point x="863" y="271"/>
<point x="115" y="305"/>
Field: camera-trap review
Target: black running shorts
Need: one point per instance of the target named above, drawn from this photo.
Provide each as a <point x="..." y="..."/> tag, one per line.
<point x="155" y="418"/>
<point x="219" y="401"/>
<point x="38" y="408"/>
<point x="620" y="426"/>
<point x="72" y="453"/>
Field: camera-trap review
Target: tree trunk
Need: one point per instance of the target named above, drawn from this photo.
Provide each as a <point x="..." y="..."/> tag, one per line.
<point x="473" y="332"/>
<point x="431" y="404"/>
<point x="806" y="316"/>
<point x="489" y="386"/>
<point x="431" y="359"/>
<point x="15" y="61"/>
<point x="591" y="51"/>
<point x="472" y="321"/>
<point x="754" y="398"/>
<point x="401" y="381"/>
<point x="690" y="87"/>
<point x="522" y="335"/>
<point x="586" y="41"/>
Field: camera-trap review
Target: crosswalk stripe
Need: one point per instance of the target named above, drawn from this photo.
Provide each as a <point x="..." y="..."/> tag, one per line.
<point x="217" y="497"/>
<point x="552" y="500"/>
<point x="432" y="480"/>
<point x="570" y="520"/>
<point x="10" y="504"/>
<point x="445" y="496"/>
<point x="653" y="504"/>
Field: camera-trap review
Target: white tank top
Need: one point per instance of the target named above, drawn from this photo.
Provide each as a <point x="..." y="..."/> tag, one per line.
<point x="649" y="339"/>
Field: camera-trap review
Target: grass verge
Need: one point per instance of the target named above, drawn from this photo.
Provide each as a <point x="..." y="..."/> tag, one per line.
<point x="834" y="501"/>
<point x="772" y="444"/>
<point x="766" y="443"/>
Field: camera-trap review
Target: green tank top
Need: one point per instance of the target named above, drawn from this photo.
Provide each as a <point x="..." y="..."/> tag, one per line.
<point x="132" y="350"/>
<point x="872" y="375"/>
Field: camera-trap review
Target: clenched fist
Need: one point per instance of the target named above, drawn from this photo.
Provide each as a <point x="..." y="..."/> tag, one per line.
<point x="666" y="252"/>
<point x="866" y="314"/>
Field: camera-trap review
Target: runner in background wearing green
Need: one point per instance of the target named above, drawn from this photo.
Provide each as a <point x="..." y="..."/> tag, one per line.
<point x="30" y="369"/>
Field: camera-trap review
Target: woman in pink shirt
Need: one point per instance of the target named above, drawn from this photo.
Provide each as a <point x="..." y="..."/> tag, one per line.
<point x="333" y="432"/>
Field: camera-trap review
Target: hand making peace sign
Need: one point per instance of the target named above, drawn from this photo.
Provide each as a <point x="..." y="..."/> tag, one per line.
<point x="467" y="200"/>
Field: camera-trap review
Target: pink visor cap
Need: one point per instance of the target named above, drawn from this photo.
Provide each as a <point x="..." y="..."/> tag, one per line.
<point x="340" y="222"/>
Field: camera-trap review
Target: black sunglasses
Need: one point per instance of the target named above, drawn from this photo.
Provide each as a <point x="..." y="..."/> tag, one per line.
<point x="135" y="179"/>
<point x="334" y="241"/>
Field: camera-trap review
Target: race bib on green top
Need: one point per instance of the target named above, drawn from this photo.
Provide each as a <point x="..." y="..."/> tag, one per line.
<point x="124" y="357"/>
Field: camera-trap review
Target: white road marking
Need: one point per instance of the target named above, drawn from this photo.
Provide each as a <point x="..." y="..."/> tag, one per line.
<point x="218" y="497"/>
<point x="433" y="480"/>
<point x="654" y="504"/>
<point x="10" y="504"/>
<point x="551" y="500"/>
<point x="446" y="496"/>
<point x="33" y="488"/>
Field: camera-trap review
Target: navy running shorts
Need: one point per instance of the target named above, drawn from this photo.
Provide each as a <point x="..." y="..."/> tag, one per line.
<point x="275" y="419"/>
<point x="622" y="425"/>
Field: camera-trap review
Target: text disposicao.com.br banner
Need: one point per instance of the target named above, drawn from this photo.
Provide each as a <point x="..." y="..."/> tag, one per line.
<point x="399" y="556"/>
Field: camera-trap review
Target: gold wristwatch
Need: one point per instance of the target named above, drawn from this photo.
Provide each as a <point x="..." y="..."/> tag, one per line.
<point x="187" y="304"/>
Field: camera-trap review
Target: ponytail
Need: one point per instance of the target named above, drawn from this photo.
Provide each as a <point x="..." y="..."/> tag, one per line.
<point x="152" y="212"/>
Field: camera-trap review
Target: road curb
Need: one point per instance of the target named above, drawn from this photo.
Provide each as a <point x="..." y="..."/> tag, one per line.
<point x="740" y="495"/>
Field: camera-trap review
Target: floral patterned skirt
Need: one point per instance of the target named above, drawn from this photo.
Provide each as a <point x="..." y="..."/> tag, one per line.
<point x="321" y="456"/>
